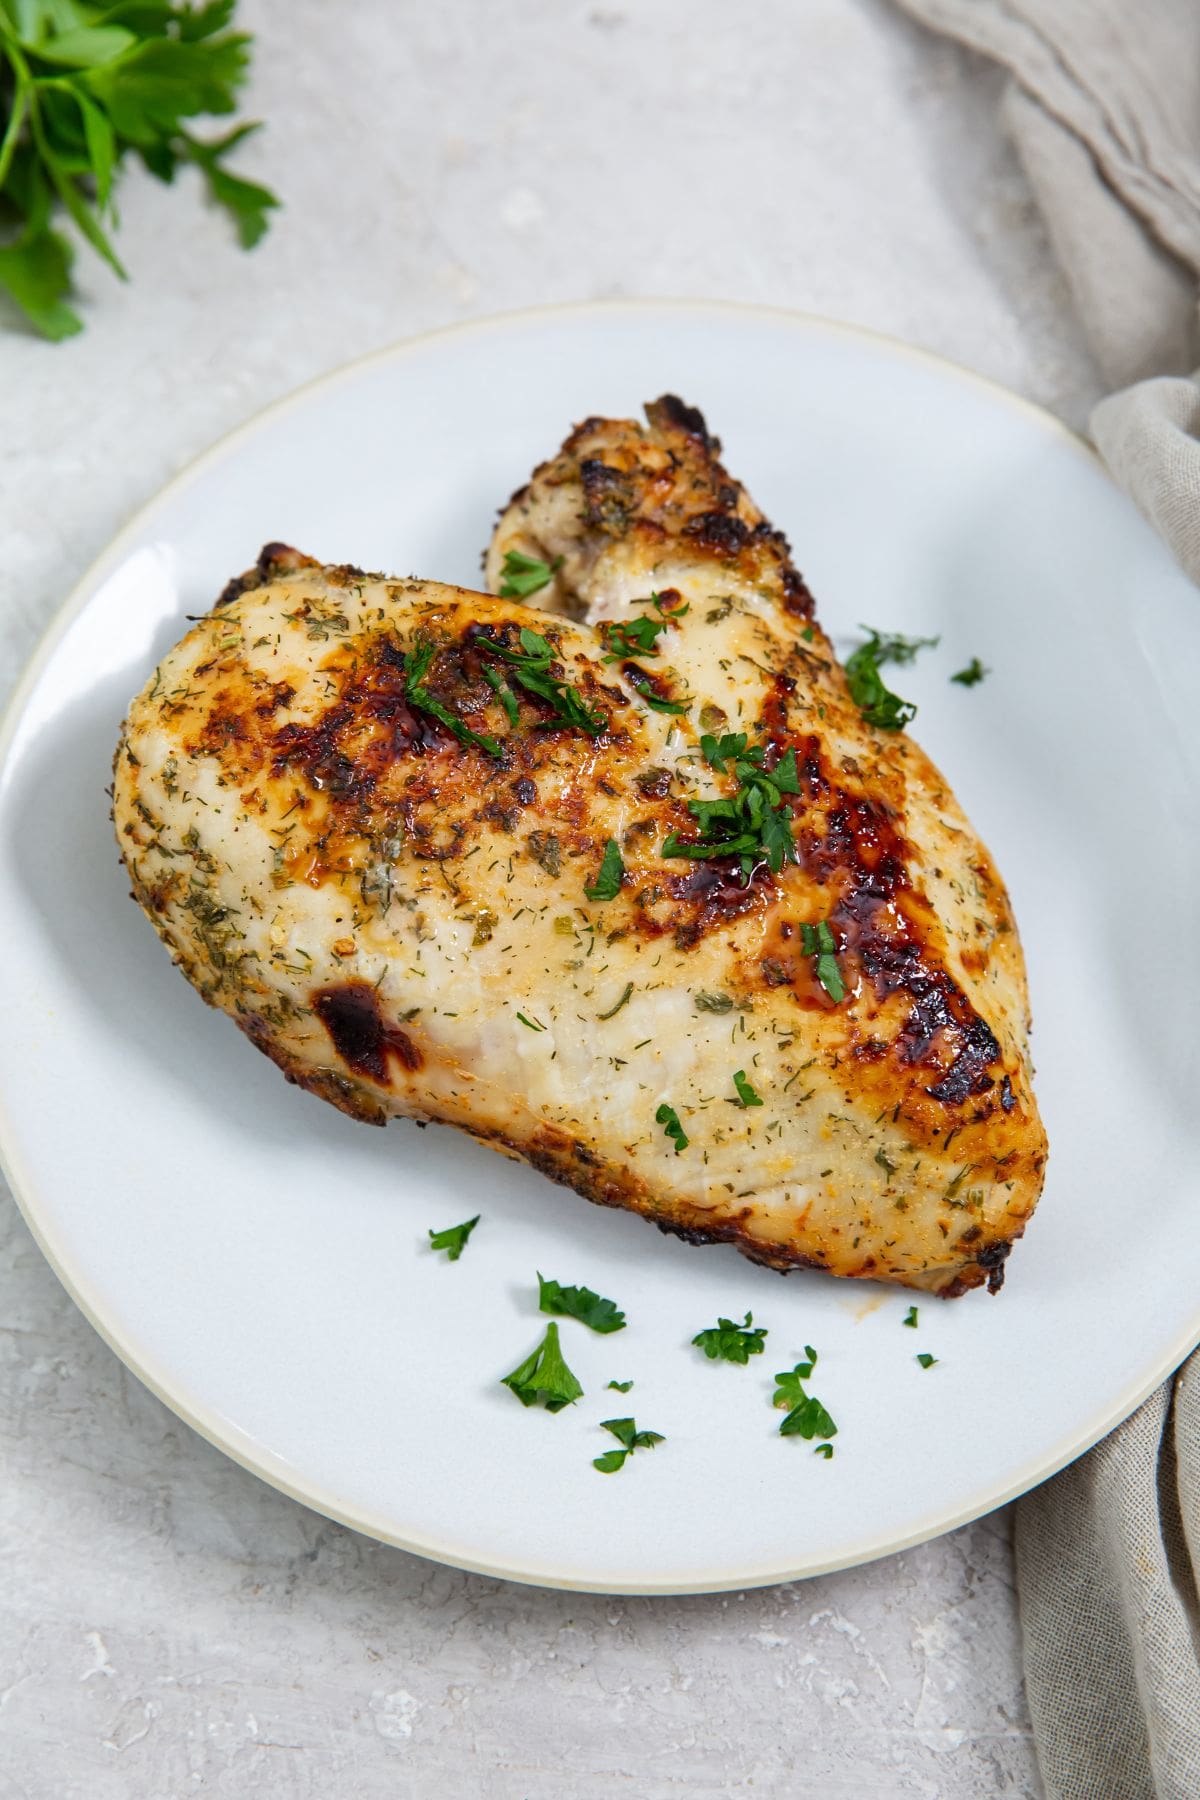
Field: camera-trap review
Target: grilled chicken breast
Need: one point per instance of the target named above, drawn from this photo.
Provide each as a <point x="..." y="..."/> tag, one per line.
<point x="620" y="882"/>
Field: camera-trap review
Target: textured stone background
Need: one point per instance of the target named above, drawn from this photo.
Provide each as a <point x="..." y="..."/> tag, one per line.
<point x="168" y="1626"/>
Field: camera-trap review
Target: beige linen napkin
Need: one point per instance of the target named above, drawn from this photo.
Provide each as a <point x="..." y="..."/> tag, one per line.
<point x="1104" y="108"/>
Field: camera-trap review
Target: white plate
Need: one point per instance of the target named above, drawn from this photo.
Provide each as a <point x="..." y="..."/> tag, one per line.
<point x="262" y="1263"/>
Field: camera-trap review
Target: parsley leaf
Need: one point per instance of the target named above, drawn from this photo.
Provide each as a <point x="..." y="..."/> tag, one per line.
<point x="910" y="1317"/>
<point x="417" y="663"/>
<point x="728" y="1342"/>
<point x="525" y="575"/>
<point x="83" y="86"/>
<point x="926" y="1361"/>
<point x="579" y="1303"/>
<point x="630" y="1439"/>
<point x="874" y="699"/>
<point x="453" y="1239"/>
<point x="607" y="884"/>
<point x="639" y="636"/>
<point x="806" y="1418"/>
<point x="746" y="1094"/>
<point x="972" y="675"/>
<point x="544" y="1376"/>
<point x="825" y="1450"/>
<point x="622" y="1387"/>
<point x="668" y="1118"/>
<point x="752" y="824"/>
<point x="643" y="684"/>
<point x="532" y="668"/>
<point x="818" y="941"/>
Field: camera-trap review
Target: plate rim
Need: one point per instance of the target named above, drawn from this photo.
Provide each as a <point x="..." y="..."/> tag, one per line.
<point x="228" y="1438"/>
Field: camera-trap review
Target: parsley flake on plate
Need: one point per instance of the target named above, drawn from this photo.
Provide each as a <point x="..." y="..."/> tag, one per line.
<point x="630" y="1439"/>
<point x="870" y="693"/>
<point x="622" y="1387"/>
<point x="926" y="1361"/>
<point x="972" y="675"/>
<point x="910" y="1317"/>
<point x="544" y="1376"/>
<point x="580" y="1303"/>
<point x="806" y="1418"/>
<point x="453" y="1239"/>
<point x="525" y="575"/>
<point x="728" y="1342"/>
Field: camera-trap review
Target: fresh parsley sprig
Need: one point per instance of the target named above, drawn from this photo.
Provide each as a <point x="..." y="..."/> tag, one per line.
<point x="453" y="1239"/>
<point x="545" y="1376"/>
<point x="727" y="1341"/>
<point x="806" y="1418"/>
<point x="524" y="575"/>
<point x="630" y="1439"/>
<point x="582" y="1303"/>
<point x="747" y="1094"/>
<point x="81" y="87"/>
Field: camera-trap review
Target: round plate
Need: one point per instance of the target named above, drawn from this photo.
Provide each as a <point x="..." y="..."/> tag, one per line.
<point x="262" y="1263"/>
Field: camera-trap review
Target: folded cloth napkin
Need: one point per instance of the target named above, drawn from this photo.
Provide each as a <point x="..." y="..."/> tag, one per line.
<point x="1104" y="108"/>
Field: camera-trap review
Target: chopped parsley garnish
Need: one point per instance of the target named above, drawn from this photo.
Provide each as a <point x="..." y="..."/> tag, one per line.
<point x="870" y="693"/>
<point x="972" y="675"/>
<point x="639" y="636"/>
<point x="525" y="575"/>
<point x="643" y="684"/>
<point x="668" y="1118"/>
<point x="622" y="1387"/>
<point x="752" y="824"/>
<point x="893" y="646"/>
<point x="454" y="1238"/>
<point x="579" y="1303"/>
<point x="728" y="1342"/>
<point x="712" y="1003"/>
<point x="531" y="666"/>
<point x="825" y="1450"/>
<point x="818" y="940"/>
<point x="533" y="1024"/>
<point x="926" y="1361"/>
<point x="910" y="1317"/>
<point x="630" y="1439"/>
<point x="544" y="1376"/>
<point x="614" y="1010"/>
<point x="607" y="884"/>
<point x="417" y="664"/>
<point x="806" y="1418"/>
<point x="746" y="1094"/>
<point x="502" y="691"/>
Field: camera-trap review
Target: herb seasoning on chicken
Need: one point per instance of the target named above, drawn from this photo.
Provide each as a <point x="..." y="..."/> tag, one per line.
<point x="549" y="865"/>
